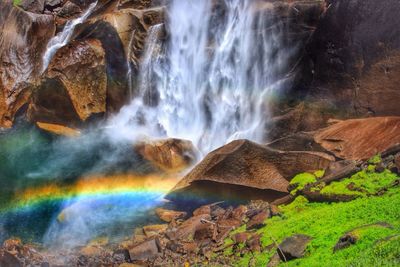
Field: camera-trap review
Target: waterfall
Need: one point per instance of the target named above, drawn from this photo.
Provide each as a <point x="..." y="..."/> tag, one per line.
<point x="63" y="37"/>
<point x="212" y="80"/>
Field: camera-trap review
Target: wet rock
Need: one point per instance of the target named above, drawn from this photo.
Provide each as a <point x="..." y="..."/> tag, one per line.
<point x="170" y="154"/>
<point x="360" y="139"/>
<point x="75" y="85"/>
<point x="69" y="9"/>
<point x="169" y="215"/>
<point x="22" y="43"/>
<point x="146" y="250"/>
<point x="58" y="129"/>
<point x="91" y="251"/>
<point x="249" y="166"/>
<point x="153" y="230"/>
<point x="258" y="220"/>
<point x="345" y="241"/>
<point x="34" y="6"/>
<point x="301" y="141"/>
<point x="9" y="260"/>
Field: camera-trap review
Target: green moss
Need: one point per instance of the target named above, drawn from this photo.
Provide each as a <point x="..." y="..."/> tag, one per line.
<point x="371" y="168"/>
<point x="375" y="159"/>
<point x="326" y="223"/>
<point x="301" y="180"/>
<point x="17" y="2"/>
<point x="319" y="174"/>
<point x="361" y="184"/>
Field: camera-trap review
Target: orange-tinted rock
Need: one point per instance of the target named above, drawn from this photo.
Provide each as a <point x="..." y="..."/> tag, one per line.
<point x="58" y="129"/>
<point x="80" y="70"/>
<point x="360" y="138"/>
<point x="169" y="154"/>
<point x="155" y="229"/>
<point x="23" y="40"/>
<point x="169" y="215"/>
<point x="202" y="210"/>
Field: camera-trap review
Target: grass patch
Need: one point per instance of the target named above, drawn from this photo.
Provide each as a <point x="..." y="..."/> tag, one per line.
<point x="326" y="223"/>
<point x="363" y="183"/>
<point x="301" y="180"/>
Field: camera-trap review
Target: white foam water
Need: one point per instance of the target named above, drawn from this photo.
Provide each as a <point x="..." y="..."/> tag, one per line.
<point x="63" y="37"/>
<point x="212" y="82"/>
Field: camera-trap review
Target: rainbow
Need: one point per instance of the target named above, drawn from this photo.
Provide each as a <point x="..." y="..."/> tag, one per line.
<point x="93" y="187"/>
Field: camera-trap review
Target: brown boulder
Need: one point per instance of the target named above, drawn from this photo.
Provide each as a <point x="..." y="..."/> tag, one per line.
<point x="23" y="40"/>
<point x="360" y="139"/>
<point x="79" y="70"/>
<point x="169" y="215"/>
<point x="248" y="165"/>
<point x="170" y="154"/>
<point x="146" y="250"/>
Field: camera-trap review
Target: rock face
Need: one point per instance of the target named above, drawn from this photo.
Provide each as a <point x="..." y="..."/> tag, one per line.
<point x="247" y="164"/>
<point x="355" y="54"/>
<point x="360" y="138"/>
<point x="79" y="71"/>
<point x="23" y="39"/>
<point x="169" y="154"/>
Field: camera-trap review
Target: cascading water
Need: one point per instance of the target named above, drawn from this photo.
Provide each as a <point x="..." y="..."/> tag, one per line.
<point x="63" y="37"/>
<point x="211" y="84"/>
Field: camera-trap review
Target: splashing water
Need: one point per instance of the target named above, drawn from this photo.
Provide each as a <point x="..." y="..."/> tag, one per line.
<point x="62" y="38"/>
<point x="211" y="85"/>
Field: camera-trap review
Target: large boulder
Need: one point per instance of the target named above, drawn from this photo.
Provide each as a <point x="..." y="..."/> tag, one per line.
<point x="74" y="87"/>
<point x="243" y="165"/>
<point x="360" y="139"/>
<point x="23" y="40"/>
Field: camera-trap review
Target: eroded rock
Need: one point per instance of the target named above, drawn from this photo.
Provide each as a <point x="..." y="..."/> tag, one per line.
<point x="248" y="165"/>
<point x="360" y="139"/>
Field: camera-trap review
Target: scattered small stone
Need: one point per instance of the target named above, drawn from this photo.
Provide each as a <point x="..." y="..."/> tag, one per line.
<point x="170" y="215"/>
<point x="258" y="220"/>
<point x="345" y="241"/>
<point x="274" y="261"/>
<point x="202" y="210"/>
<point x="254" y="243"/>
<point x="293" y="247"/>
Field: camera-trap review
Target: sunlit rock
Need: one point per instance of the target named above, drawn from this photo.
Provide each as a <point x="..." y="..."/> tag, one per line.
<point x="360" y="138"/>
<point x="58" y="129"/>
<point x="74" y="87"/>
<point x="246" y="167"/>
<point x="23" y="40"/>
<point x="169" y="154"/>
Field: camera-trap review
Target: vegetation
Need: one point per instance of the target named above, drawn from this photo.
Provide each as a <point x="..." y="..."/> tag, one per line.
<point x="378" y="244"/>
<point x="17" y="2"/>
<point x="301" y="180"/>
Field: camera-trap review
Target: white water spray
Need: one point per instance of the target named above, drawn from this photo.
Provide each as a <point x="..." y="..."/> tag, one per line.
<point x="212" y="83"/>
<point x="62" y="38"/>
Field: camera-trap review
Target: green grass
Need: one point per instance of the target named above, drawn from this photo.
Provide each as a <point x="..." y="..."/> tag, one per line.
<point x="362" y="183"/>
<point x="375" y="159"/>
<point x="326" y="223"/>
<point x="301" y="180"/>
